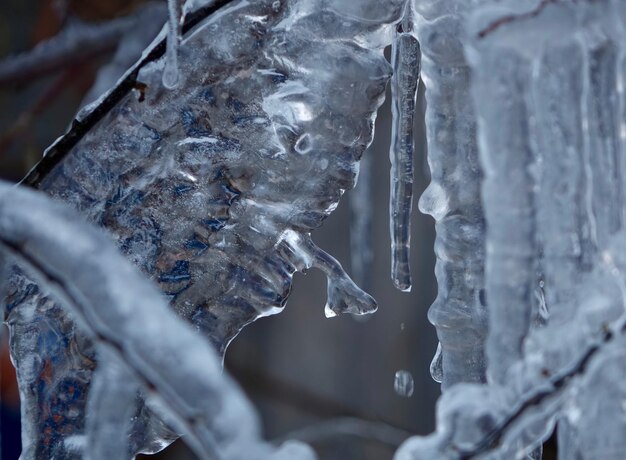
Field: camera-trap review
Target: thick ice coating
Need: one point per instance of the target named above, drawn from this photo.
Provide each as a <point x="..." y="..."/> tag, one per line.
<point x="212" y="188"/>
<point x="453" y="197"/>
<point x="548" y="93"/>
<point x="140" y="343"/>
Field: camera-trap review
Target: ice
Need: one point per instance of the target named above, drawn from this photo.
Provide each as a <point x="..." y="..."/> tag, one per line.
<point x="344" y="296"/>
<point x="403" y="383"/>
<point x="361" y="243"/>
<point x="453" y="195"/>
<point x="111" y="407"/>
<point x="199" y="185"/>
<point x="547" y="88"/>
<point x="405" y="61"/>
<point x="139" y="341"/>
<point x="171" y="73"/>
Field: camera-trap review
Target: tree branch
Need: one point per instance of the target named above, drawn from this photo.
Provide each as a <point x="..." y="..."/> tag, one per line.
<point x="79" y="128"/>
<point x="124" y="313"/>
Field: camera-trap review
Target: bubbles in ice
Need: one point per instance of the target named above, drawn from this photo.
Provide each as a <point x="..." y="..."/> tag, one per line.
<point x="403" y="383"/>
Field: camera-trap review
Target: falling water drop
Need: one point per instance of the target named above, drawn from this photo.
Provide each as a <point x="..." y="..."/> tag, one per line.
<point x="436" y="366"/>
<point x="403" y="383"/>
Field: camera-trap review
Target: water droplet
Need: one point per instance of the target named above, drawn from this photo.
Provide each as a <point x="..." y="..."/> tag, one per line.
<point x="403" y="383"/>
<point x="436" y="366"/>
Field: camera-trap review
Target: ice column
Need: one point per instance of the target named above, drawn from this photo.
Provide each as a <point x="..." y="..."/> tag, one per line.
<point x="128" y="319"/>
<point x="547" y="83"/>
<point x="112" y="404"/>
<point x="405" y="61"/>
<point x="453" y="196"/>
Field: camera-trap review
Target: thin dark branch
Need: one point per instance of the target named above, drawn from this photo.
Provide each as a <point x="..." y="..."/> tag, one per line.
<point x="553" y="387"/>
<point x="78" y="129"/>
<point x="513" y="18"/>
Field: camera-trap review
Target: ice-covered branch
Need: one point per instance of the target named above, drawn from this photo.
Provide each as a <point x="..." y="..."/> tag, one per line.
<point x="128" y="317"/>
<point x="406" y="61"/>
<point x="79" y="128"/>
<point x="453" y="197"/>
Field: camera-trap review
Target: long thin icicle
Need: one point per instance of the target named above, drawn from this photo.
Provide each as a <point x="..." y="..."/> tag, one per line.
<point x="171" y="73"/>
<point x="405" y="61"/>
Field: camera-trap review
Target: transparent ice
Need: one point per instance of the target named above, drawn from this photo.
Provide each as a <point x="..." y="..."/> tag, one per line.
<point x="547" y="106"/>
<point x="403" y="383"/>
<point x="211" y="174"/>
<point x="145" y="351"/>
<point x="211" y="187"/>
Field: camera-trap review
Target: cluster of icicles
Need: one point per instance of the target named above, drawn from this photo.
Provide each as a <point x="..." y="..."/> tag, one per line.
<point x="525" y="129"/>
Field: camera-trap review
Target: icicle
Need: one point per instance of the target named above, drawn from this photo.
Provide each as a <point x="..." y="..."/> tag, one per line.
<point x="405" y="61"/>
<point x="112" y="404"/>
<point x="171" y="73"/>
<point x="361" y="253"/>
<point x="343" y="295"/>
<point x="453" y="196"/>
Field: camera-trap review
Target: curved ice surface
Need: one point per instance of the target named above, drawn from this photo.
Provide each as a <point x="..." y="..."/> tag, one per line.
<point x="212" y="188"/>
<point x="453" y="195"/>
<point x="143" y="348"/>
<point x="548" y="92"/>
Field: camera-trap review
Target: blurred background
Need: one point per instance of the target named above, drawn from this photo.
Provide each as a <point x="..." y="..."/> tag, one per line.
<point x="310" y="377"/>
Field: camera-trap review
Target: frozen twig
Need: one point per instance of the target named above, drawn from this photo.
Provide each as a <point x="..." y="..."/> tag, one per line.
<point x="57" y="151"/>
